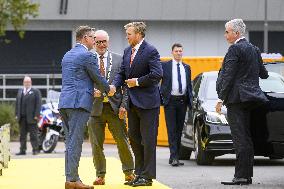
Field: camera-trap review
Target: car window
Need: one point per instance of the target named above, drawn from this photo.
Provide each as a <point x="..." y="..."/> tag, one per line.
<point x="274" y="83"/>
<point x="276" y="67"/>
<point x="211" y="93"/>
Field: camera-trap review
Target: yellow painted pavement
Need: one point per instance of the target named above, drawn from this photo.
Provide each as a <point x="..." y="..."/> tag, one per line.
<point x="48" y="173"/>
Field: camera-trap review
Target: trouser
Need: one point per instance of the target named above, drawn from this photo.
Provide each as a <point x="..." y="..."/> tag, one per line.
<point x="239" y="121"/>
<point x="117" y="127"/>
<point x="74" y="122"/>
<point x="175" y="112"/>
<point x="26" y="127"/>
<point x="142" y="131"/>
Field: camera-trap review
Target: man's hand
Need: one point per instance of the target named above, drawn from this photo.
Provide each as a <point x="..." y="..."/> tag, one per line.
<point x="122" y="113"/>
<point x="97" y="93"/>
<point x="131" y="82"/>
<point x="218" y="107"/>
<point x="112" y="90"/>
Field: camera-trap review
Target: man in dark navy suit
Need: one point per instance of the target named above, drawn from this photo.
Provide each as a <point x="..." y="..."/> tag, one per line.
<point x="142" y="72"/>
<point x="176" y="94"/>
<point x="238" y="88"/>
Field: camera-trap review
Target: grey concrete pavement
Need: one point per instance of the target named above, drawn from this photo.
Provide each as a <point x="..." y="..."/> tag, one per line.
<point x="267" y="173"/>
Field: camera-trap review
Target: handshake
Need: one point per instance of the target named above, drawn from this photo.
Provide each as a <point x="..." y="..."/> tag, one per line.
<point x="112" y="90"/>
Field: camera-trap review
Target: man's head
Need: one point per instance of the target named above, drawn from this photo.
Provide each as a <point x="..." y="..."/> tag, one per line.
<point x="135" y="32"/>
<point x="234" y="29"/>
<point x="86" y="36"/>
<point x="101" y="41"/>
<point x="27" y="82"/>
<point x="177" y="52"/>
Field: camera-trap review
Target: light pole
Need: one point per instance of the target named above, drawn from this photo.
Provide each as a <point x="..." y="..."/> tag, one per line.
<point x="265" y="39"/>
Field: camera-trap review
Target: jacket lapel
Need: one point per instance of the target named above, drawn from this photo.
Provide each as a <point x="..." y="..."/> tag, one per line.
<point x="170" y="70"/>
<point x="186" y="74"/>
<point x="137" y="56"/>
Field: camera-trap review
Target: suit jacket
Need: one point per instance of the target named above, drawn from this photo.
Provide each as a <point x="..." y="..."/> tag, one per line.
<point x="238" y="79"/>
<point x="166" y="85"/>
<point x="119" y="99"/>
<point x="79" y="73"/>
<point x="147" y="68"/>
<point x="33" y="99"/>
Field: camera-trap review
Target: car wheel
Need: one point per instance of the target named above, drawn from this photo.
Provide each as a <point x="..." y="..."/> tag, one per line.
<point x="202" y="157"/>
<point x="184" y="153"/>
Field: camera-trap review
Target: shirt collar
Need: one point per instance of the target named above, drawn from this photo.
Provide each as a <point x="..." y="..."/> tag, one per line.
<point x="105" y="55"/>
<point x="137" y="46"/>
<point x="175" y="62"/>
<point x="27" y="89"/>
<point x="239" y="39"/>
<point x="83" y="46"/>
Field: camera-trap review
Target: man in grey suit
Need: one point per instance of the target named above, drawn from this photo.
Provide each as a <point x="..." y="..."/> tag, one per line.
<point x="28" y="104"/>
<point x="79" y="73"/>
<point x="111" y="111"/>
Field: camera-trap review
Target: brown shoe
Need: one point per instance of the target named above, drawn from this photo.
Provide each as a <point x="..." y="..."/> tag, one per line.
<point x="129" y="179"/>
<point x="99" y="181"/>
<point x="77" y="185"/>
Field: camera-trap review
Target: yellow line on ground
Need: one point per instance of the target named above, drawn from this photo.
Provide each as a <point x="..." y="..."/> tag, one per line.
<point x="48" y="173"/>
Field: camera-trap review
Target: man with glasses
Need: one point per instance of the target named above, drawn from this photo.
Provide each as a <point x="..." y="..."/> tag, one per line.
<point x="110" y="110"/>
<point x="79" y="73"/>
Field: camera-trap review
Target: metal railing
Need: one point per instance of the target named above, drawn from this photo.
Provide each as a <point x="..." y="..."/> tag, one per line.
<point x="12" y="82"/>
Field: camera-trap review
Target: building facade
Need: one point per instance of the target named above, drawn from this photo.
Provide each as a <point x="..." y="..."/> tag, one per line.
<point x="197" y="24"/>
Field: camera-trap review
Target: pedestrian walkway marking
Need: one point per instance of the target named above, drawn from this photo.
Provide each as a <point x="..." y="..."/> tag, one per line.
<point x="48" y="173"/>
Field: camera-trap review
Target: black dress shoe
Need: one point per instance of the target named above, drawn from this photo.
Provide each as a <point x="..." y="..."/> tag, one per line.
<point x="20" y="153"/>
<point x="132" y="181"/>
<point x="238" y="181"/>
<point x="170" y="161"/>
<point x="176" y="163"/>
<point x="142" y="182"/>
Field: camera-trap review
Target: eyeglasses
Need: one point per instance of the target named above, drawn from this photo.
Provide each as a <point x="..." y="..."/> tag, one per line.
<point x="101" y="42"/>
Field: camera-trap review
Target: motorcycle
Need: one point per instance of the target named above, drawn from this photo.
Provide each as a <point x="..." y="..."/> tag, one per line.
<point x="50" y="127"/>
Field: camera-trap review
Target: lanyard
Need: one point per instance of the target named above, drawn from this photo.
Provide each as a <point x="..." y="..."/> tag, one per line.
<point x="109" y="68"/>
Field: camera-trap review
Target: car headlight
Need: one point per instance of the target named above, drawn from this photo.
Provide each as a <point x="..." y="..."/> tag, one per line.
<point x="216" y="118"/>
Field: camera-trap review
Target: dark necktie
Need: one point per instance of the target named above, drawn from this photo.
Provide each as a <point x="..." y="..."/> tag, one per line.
<point x="179" y="79"/>
<point x="102" y="66"/>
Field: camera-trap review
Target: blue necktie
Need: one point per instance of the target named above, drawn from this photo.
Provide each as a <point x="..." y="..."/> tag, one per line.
<point x="179" y="79"/>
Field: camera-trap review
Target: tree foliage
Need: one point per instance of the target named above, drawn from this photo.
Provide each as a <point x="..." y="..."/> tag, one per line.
<point x="16" y="13"/>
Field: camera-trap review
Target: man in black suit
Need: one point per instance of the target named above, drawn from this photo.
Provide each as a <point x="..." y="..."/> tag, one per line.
<point x="142" y="72"/>
<point x="238" y="88"/>
<point x="28" y="104"/>
<point x="176" y="91"/>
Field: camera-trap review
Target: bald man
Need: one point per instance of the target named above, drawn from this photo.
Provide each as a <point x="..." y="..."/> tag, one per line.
<point x="28" y="104"/>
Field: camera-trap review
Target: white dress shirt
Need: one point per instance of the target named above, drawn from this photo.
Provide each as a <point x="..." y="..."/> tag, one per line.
<point x="26" y="90"/>
<point x="175" y="89"/>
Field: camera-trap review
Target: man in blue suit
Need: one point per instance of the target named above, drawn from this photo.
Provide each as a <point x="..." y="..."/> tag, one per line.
<point x="79" y="73"/>
<point x="142" y="72"/>
<point x="176" y="92"/>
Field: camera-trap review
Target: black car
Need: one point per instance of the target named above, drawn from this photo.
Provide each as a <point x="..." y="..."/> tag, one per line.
<point x="208" y="133"/>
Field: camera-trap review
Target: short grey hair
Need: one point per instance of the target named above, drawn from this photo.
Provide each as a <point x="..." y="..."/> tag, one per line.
<point x="237" y="25"/>
<point x="102" y="32"/>
<point x="139" y="27"/>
